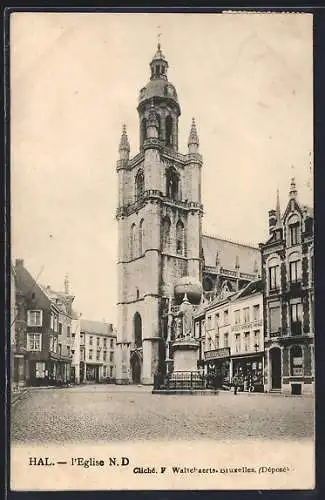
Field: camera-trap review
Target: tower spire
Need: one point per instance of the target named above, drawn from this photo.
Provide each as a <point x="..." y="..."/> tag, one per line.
<point x="193" y="140"/>
<point x="124" y="147"/>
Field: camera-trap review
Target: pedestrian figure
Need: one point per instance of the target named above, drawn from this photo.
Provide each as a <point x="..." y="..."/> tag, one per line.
<point x="235" y="383"/>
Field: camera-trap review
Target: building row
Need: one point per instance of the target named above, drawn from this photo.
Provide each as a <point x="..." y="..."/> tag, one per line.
<point x="51" y="344"/>
<point x="265" y="332"/>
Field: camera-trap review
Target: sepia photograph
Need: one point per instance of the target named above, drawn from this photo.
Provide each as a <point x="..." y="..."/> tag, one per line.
<point x="162" y="251"/>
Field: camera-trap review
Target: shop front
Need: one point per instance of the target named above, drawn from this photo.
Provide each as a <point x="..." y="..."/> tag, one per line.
<point x="218" y="368"/>
<point x="250" y="370"/>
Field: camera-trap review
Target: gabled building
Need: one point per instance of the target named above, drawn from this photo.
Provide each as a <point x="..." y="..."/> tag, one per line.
<point x="38" y="335"/>
<point x="232" y="336"/>
<point x="288" y="273"/>
<point x="97" y="351"/>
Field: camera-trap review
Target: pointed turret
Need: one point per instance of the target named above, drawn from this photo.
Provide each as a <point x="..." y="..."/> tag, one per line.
<point x="159" y="65"/>
<point x="124" y="148"/>
<point x="193" y="140"/>
<point x="293" y="190"/>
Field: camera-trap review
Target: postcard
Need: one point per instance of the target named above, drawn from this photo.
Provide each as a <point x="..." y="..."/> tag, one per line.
<point x="162" y="274"/>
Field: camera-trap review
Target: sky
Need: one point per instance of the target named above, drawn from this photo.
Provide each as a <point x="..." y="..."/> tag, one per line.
<point x="75" y="78"/>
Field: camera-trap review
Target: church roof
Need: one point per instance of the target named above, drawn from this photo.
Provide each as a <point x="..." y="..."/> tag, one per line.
<point x="96" y="327"/>
<point x="229" y="252"/>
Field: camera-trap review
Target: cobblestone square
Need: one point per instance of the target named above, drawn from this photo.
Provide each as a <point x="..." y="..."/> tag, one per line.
<point x="107" y="413"/>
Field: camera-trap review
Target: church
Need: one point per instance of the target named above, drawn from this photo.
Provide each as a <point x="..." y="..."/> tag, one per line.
<point x="160" y="240"/>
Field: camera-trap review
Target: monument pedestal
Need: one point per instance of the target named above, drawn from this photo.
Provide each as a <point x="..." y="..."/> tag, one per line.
<point x="186" y="352"/>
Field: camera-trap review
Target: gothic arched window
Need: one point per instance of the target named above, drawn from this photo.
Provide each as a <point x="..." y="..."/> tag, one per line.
<point x="180" y="238"/>
<point x="141" y="237"/>
<point x="137" y="330"/>
<point x="132" y="241"/>
<point x="294" y="230"/>
<point x="169" y="131"/>
<point x="166" y="233"/>
<point x="139" y="185"/>
<point x="172" y="183"/>
<point x="159" y="126"/>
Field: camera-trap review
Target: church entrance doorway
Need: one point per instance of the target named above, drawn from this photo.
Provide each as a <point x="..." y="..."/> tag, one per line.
<point x="136" y="366"/>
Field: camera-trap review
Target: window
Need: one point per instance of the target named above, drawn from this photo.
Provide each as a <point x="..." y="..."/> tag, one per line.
<point x="82" y="353"/>
<point x="246" y="341"/>
<point x="56" y="323"/>
<point x="274" y="277"/>
<point x="237" y="342"/>
<point x="180" y="238"/>
<point x="34" y="341"/>
<point x="296" y="361"/>
<point x="112" y="343"/>
<point x="68" y="350"/>
<point x="294" y="233"/>
<point x="52" y="322"/>
<point x="72" y="352"/>
<point x="104" y="371"/>
<point x="105" y="343"/>
<point x="172" y="183"/>
<point x="60" y="328"/>
<point x="226" y="340"/>
<point x="141" y="234"/>
<point x="34" y="318"/>
<point x="209" y="322"/>
<point x="237" y="317"/>
<point x="294" y="270"/>
<point x="111" y="356"/>
<point x="51" y="343"/>
<point x="166" y="233"/>
<point x="98" y="341"/>
<point x="60" y="349"/>
<point x="295" y="317"/>
<point x="246" y="315"/>
<point x="217" y="341"/>
<point x="68" y="331"/>
<point x="139" y="185"/>
<point x="82" y="338"/>
<point x="73" y="335"/>
<point x="225" y="318"/>
<point x="98" y="355"/>
<point x="90" y="341"/>
<point x="256" y="312"/>
<point x="55" y="344"/>
<point x="216" y="321"/>
<point x="256" y="340"/>
<point x="90" y="354"/>
<point x="169" y="131"/>
<point x="275" y="319"/>
<point x="104" y="355"/>
<point x="40" y="371"/>
<point x="111" y="371"/>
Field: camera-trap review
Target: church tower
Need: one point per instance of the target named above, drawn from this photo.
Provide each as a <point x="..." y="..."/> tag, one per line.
<point x="159" y="225"/>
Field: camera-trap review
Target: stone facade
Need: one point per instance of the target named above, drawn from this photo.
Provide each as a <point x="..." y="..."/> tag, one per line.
<point x="288" y="272"/>
<point x="160" y="239"/>
<point x="97" y="345"/>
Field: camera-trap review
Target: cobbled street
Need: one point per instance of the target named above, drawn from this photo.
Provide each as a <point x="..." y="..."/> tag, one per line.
<point x="109" y="413"/>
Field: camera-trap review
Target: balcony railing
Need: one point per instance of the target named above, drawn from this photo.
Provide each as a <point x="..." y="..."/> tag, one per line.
<point x="191" y="380"/>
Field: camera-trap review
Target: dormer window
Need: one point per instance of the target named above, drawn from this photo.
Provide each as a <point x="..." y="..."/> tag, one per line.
<point x="294" y="230"/>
